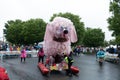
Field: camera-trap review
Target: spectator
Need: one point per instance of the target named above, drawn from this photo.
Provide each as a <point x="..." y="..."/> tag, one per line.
<point x="41" y="55"/>
<point x="118" y="52"/>
<point x="23" y="54"/>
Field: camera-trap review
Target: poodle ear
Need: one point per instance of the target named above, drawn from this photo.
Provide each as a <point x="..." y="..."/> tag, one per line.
<point x="48" y="33"/>
<point x="73" y="35"/>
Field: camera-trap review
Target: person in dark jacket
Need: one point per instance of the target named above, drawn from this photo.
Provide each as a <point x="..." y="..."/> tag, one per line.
<point x="118" y="52"/>
<point x="69" y="60"/>
<point x="118" y="57"/>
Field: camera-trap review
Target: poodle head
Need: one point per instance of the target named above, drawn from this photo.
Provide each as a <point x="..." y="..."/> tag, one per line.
<point x="61" y="30"/>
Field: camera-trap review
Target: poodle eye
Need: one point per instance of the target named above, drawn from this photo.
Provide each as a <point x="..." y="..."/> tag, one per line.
<point x="61" y="28"/>
<point x="66" y="27"/>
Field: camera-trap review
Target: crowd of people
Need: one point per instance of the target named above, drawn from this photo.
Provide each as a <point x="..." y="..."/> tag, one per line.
<point x="9" y="47"/>
<point x="82" y="49"/>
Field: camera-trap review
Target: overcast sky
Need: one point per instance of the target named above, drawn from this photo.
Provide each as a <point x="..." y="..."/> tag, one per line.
<point x="94" y="13"/>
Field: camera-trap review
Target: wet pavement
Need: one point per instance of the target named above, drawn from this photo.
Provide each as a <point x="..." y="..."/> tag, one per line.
<point x="89" y="70"/>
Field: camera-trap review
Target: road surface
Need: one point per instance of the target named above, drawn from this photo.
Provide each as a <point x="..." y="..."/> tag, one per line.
<point x="89" y="70"/>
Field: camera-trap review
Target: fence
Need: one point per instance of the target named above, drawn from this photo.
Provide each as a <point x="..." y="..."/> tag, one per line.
<point x="16" y="54"/>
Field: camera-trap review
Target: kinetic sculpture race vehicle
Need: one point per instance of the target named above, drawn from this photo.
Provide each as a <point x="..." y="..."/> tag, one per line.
<point x="3" y="74"/>
<point x="57" y="42"/>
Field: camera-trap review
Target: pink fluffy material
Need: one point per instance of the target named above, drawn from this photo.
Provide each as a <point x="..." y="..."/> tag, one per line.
<point x="58" y="36"/>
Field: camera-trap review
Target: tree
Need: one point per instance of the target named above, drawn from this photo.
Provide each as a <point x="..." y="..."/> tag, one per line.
<point x="77" y="23"/>
<point x="114" y="20"/>
<point x="33" y="31"/>
<point x="106" y="43"/>
<point x="117" y="40"/>
<point x="13" y="31"/>
<point x="93" y="37"/>
<point x="25" y="32"/>
<point x="112" y="42"/>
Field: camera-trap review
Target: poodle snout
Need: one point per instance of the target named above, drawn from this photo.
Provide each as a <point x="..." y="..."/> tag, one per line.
<point x="65" y="31"/>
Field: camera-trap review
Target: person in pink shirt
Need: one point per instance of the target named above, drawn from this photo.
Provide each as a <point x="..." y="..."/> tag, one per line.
<point x="41" y="55"/>
<point x="23" y="54"/>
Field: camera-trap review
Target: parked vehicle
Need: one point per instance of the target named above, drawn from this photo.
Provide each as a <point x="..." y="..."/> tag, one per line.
<point x="113" y="58"/>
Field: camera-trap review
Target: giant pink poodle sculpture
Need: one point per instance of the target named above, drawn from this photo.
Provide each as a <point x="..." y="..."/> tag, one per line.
<point x="58" y="36"/>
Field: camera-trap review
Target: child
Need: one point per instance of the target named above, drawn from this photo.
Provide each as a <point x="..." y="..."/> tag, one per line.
<point x="23" y="54"/>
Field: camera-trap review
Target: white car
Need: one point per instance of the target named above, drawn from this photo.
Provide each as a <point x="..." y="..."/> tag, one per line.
<point x="111" y="57"/>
